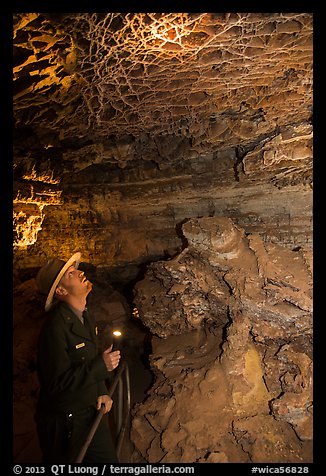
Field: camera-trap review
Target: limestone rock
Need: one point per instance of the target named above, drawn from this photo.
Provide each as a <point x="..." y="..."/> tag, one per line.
<point x="125" y="125"/>
<point x="245" y="370"/>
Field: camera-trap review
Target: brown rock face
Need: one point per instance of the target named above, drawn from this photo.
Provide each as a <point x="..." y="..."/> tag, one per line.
<point x="233" y="356"/>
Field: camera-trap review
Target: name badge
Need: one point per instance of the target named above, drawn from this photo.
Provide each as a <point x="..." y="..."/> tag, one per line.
<point x="78" y="346"/>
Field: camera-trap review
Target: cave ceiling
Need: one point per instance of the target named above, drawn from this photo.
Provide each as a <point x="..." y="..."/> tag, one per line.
<point x="101" y="91"/>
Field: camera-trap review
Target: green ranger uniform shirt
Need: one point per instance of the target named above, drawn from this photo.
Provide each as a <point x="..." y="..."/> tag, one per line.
<point x="72" y="372"/>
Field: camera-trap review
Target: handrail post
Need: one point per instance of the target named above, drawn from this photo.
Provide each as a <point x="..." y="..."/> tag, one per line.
<point x="121" y="422"/>
<point x="116" y="379"/>
<point x="120" y="405"/>
<point x="123" y="428"/>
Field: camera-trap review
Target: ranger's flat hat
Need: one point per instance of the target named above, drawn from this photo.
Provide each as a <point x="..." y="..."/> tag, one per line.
<point x="49" y="275"/>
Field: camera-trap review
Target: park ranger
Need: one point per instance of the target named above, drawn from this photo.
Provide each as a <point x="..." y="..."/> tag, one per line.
<point x="72" y="371"/>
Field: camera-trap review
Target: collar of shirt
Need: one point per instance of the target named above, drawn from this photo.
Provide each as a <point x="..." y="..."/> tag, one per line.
<point x="79" y="313"/>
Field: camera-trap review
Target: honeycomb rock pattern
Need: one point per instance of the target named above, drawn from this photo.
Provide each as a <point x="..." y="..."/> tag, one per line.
<point x="205" y="79"/>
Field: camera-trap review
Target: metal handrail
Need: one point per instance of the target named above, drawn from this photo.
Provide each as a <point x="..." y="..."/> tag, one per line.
<point x="123" y="419"/>
<point x="122" y="422"/>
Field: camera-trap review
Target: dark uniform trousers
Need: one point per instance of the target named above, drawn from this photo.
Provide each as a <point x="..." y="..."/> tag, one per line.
<point x="61" y="437"/>
<point x="72" y="376"/>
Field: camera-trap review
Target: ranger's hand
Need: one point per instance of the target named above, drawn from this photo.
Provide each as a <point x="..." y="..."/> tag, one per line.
<point x="111" y="359"/>
<point x="107" y="402"/>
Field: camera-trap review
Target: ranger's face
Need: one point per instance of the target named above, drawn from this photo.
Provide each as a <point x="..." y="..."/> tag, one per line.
<point x="75" y="282"/>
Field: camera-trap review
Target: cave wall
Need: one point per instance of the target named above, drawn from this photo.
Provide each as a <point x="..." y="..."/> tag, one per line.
<point x="137" y="217"/>
<point x="232" y="352"/>
<point x="126" y="124"/>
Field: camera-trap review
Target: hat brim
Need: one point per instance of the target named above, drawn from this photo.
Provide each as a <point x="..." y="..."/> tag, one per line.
<point x="75" y="259"/>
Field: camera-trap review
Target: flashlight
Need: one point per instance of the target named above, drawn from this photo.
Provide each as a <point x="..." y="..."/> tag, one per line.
<point x="117" y="334"/>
